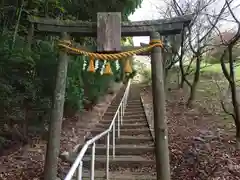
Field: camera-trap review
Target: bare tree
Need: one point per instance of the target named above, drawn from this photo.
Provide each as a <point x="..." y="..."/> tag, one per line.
<point x="227" y="56"/>
<point x="195" y="41"/>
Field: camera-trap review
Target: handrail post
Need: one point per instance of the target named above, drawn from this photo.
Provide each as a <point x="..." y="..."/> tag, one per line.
<point x="119" y="113"/>
<point x="107" y="154"/>
<point x="79" y="172"/>
<point x="113" y="136"/>
<point x="93" y="161"/>
<point x="125" y="104"/>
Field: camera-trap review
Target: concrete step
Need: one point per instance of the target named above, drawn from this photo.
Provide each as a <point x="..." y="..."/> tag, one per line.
<point x="126" y="125"/>
<point x="125" y="121"/>
<point x="136" y="140"/>
<point x="132" y="106"/>
<point x="127" y="112"/>
<point x="139" y="103"/>
<point x="134" y="116"/>
<point x="134" y="112"/>
<point x="126" y="132"/>
<point x="121" y="149"/>
<point x="130" y="101"/>
<point x="133" y="100"/>
<point x="119" y="162"/>
<point x="116" y="175"/>
<point x="135" y="108"/>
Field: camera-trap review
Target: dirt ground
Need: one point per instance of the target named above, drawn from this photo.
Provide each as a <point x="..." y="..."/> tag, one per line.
<point x="27" y="162"/>
<point x="201" y="139"/>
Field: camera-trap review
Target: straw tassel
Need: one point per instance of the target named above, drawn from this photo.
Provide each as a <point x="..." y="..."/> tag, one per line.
<point x="91" y="67"/>
<point x="108" y="69"/>
<point x="127" y="68"/>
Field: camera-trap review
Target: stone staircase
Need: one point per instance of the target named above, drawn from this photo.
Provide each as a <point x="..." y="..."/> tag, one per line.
<point x="132" y="149"/>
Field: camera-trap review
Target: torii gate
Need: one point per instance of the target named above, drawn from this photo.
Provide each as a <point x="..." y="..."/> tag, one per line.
<point x="109" y="29"/>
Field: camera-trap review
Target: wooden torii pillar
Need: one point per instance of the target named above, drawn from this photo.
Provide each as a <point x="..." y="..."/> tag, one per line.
<point x="109" y="30"/>
<point x="159" y="112"/>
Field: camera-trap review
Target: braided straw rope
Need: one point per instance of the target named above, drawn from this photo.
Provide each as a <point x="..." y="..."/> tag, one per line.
<point x="115" y="56"/>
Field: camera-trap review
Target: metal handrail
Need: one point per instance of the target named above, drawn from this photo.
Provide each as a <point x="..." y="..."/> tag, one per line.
<point x="77" y="166"/>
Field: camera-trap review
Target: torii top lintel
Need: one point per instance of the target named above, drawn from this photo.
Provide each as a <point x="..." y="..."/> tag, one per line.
<point x="89" y="29"/>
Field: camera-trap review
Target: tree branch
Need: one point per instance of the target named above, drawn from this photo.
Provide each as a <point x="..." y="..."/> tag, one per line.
<point x="222" y="102"/>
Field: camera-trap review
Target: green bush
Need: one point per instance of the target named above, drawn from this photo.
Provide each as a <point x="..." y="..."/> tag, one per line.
<point x="212" y="60"/>
<point x="74" y="91"/>
<point x="96" y="84"/>
<point x="147" y="76"/>
<point x="27" y="81"/>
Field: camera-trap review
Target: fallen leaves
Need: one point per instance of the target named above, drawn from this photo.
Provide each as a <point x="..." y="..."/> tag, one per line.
<point x="201" y="147"/>
<point x="27" y="162"/>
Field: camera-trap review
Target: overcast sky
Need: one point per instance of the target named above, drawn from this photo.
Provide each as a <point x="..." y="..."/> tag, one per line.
<point x="150" y="10"/>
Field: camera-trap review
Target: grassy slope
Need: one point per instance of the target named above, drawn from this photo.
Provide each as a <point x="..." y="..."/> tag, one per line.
<point x="208" y="93"/>
<point x="216" y="68"/>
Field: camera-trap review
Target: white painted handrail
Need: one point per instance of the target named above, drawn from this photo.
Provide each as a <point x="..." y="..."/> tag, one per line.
<point x="77" y="166"/>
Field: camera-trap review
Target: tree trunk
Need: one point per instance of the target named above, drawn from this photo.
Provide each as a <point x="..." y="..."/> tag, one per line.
<point x="178" y="78"/>
<point x="181" y="69"/>
<point x="25" y="123"/>
<point x="17" y="24"/>
<point x="121" y="64"/>
<point x="46" y="8"/>
<point x="195" y="82"/>
<point x="235" y="99"/>
<point x="182" y="73"/>
<point x="192" y="95"/>
<point x="30" y="35"/>
<point x="238" y="135"/>
<point x="181" y="84"/>
<point x="236" y="110"/>
<point x="53" y="146"/>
